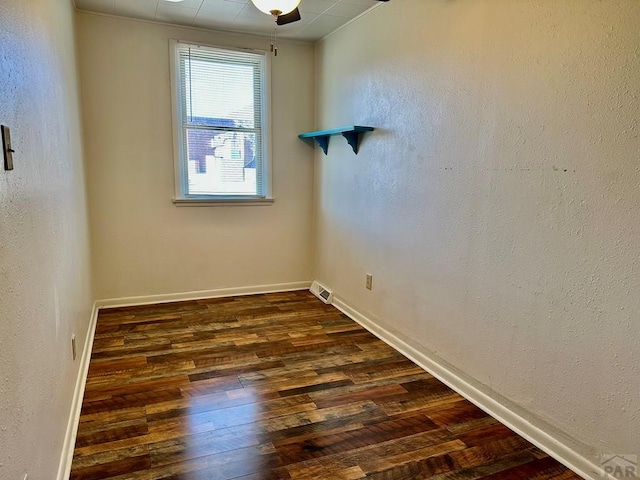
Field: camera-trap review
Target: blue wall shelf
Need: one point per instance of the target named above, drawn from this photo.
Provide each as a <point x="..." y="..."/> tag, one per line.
<point x="352" y="133"/>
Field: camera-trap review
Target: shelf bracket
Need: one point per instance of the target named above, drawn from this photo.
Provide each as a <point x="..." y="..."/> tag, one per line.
<point x="353" y="139"/>
<point x="323" y="142"/>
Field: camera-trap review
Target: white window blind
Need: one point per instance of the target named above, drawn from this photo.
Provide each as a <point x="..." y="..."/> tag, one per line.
<point x="221" y="121"/>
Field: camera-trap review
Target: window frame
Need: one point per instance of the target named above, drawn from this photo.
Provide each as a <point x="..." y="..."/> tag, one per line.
<point x="182" y="197"/>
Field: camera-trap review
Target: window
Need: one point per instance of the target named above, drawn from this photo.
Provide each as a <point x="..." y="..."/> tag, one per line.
<point x="220" y="104"/>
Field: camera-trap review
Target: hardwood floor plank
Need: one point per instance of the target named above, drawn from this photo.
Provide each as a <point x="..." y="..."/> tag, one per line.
<point x="417" y="469"/>
<point x="109" y="456"/>
<point x="112" y="469"/>
<point x="384" y="463"/>
<point x="514" y="460"/>
<point x="327" y="444"/>
<point x="111" y="403"/>
<point x="377" y="392"/>
<point x="131" y="386"/>
<point x="490" y="451"/>
<point x="115" y="431"/>
<point x="539" y="469"/>
<point x="277" y="387"/>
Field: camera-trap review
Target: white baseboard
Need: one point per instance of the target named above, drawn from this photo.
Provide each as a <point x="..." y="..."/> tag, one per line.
<point x="202" y="294"/>
<point x="528" y="426"/>
<point x="66" y="458"/>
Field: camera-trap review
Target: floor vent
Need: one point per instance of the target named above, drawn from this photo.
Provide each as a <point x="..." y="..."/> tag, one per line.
<point x="322" y="293"/>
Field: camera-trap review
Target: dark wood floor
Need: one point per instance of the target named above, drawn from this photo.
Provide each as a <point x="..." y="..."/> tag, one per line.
<point x="277" y="386"/>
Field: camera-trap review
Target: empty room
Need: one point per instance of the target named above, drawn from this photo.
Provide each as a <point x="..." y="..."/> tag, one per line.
<point x="319" y="239"/>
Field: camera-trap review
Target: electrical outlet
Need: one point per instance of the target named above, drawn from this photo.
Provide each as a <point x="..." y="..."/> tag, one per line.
<point x="73" y="346"/>
<point x="369" y="281"/>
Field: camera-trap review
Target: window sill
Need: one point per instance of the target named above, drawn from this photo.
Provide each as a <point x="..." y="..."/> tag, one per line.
<point x="222" y="202"/>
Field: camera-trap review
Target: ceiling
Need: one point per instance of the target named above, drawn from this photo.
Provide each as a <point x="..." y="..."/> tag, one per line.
<point x="319" y="17"/>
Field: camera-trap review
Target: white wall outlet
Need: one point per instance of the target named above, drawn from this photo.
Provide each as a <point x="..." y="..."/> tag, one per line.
<point x="73" y="346"/>
<point x="369" y="283"/>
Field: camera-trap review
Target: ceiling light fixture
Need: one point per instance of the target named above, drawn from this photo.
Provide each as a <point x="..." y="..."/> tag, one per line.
<point x="276" y="7"/>
<point x="282" y="11"/>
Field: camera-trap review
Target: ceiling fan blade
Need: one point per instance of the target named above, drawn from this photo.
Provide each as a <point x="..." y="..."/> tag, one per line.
<point x="290" y="17"/>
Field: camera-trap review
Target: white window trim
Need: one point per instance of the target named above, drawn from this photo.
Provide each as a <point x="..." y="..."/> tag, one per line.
<point x="180" y="177"/>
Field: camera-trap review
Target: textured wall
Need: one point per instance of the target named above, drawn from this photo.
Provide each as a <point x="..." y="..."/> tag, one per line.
<point x="497" y="203"/>
<point x="143" y="244"/>
<point x="45" y="293"/>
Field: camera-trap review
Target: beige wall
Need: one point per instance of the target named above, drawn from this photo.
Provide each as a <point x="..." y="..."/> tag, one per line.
<point x="45" y="285"/>
<point x="142" y="243"/>
<point x="497" y="203"/>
